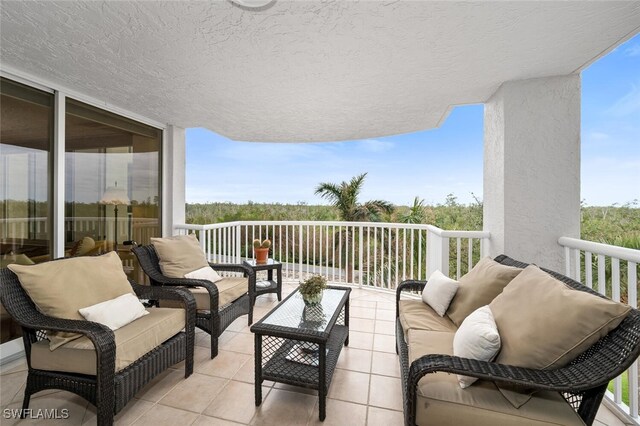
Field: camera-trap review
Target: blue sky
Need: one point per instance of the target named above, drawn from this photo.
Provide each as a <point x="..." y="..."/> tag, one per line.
<point x="429" y="164"/>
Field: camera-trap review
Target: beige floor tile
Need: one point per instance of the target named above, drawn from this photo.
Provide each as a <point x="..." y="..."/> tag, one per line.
<point x="161" y="415"/>
<point x="385" y="364"/>
<point x="385" y="392"/>
<point x="340" y="413"/>
<point x="362" y="325"/>
<point x="389" y="306"/>
<point x="355" y="359"/>
<point x="385" y="315"/>
<point x="384" y="343"/>
<point x="358" y="312"/>
<point x="225" y="365"/>
<point x="385" y="327"/>
<point x="212" y="421"/>
<point x="155" y="390"/>
<point x="242" y="342"/>
<point x="235" y="402"/>
<point x="349" y="386"/>
<point x="200" y="355"/>
<point x="360" y="340"/>
<point x="10" y="385"/>
<point x="238" y="324"/>
<point x="381" y="417"/>
<point x="361" y="303"/>
<point x="195" y="393"/>
<point x="247" y="372"/>
<point x="129" y="414"/>
<point x="283" y="408"/>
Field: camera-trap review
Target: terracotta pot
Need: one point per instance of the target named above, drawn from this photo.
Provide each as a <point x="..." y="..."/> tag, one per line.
<point x="261" y="254"/>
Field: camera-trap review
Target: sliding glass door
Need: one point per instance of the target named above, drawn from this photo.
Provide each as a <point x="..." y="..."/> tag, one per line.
<point x="26" y="140"/>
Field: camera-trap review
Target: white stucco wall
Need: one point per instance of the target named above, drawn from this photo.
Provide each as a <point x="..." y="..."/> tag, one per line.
<point x="532" y="168"/>
<point x="173" y="178"/>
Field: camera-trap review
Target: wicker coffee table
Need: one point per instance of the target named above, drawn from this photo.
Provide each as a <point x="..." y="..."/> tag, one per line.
<point x="300" y="345"/>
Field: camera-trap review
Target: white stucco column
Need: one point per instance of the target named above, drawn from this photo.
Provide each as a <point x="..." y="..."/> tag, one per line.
<point x="532" y="168"/>
<point x="173" y="178"/>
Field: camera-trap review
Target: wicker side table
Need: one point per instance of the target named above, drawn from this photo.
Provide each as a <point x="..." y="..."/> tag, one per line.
<point x="270" y="285"/>
<point x="300" y="345"/>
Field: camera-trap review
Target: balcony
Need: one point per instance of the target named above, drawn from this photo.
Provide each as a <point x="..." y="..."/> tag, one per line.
<point x="377" y="256"/>
<point x="371" y="258"/>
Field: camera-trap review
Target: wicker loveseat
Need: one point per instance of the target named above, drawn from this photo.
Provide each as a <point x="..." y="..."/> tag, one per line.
<point x="214" y="309"/>
<point x="93" y="367"/>
<point x="568" y="395"/>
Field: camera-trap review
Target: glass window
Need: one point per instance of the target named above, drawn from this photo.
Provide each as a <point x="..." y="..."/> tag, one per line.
<point x="26" y="138"/>
<point x="112" y="191"/>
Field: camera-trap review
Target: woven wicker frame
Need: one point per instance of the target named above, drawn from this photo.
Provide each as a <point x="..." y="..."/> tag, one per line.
<point x="582" y="383"/>
<point x="108" y="390"/>
<point x="218" y="318"/>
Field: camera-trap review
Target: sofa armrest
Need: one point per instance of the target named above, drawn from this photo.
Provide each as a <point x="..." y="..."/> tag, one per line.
<point x="408" y="285"/>
<point x="572" y="378"/>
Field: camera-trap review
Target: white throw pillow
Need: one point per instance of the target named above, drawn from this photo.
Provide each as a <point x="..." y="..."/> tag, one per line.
<point x="477" y="338"/>
<point x="439" y="292"/>
<point x="115" y="313"/>
<point x="206" y="273"/>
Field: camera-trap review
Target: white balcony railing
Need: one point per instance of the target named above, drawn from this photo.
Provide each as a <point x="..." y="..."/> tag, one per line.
<point x="613" y="272"/>
<point x="370" y="254"/>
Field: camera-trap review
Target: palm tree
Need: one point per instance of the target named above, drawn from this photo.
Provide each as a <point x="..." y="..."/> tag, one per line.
<point x="344" y="196"/>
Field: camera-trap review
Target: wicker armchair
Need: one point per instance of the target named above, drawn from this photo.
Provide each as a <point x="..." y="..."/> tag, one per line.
<point x="582" y="383"/>
<point x="218" y="318"/>
<point x="108" y="390"/>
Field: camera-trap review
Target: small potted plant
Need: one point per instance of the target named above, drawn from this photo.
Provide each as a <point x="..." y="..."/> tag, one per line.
<point x="311" y="289"/>
<point x="261" y="250"/>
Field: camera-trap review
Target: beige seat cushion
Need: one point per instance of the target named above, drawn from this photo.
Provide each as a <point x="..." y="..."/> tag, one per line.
<point x="479" y="287"/>
<point x="132" y="341"/>
<point x="441" y="401"/>
<point x="415" y="314"/>
<point x="60" y="288"/>
<point x="179" y="255"/>
<point x="545" y="324"/>
<point x="229" y="289"/>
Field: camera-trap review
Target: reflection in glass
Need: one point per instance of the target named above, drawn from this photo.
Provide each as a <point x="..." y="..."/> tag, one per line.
<point x="26" y="135"/>
<point x="112" y="191"/>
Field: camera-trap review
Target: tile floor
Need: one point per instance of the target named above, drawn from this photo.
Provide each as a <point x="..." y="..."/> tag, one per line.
<point x="365" y="389"/>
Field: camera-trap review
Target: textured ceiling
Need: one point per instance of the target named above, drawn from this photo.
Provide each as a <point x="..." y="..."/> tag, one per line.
<point x="304" y="70"/>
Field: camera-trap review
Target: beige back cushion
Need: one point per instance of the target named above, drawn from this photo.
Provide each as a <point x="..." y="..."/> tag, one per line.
<point x="545" y="324"/>
<point x="479" y="287"/>
<point x="60" y="288"/>
<point x="179" y="255"/>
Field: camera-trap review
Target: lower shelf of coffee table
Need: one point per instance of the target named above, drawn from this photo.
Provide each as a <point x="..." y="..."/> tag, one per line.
<point x="279" y="369"/>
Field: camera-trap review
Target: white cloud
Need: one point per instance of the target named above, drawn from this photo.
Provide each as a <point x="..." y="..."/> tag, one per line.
<point x="633" y="50"/>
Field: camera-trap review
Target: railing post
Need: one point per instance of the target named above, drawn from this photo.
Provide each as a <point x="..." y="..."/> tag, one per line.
<point x="360" y="253"/>
<point x="444" y="256"/>
<point x="238" y="244"/>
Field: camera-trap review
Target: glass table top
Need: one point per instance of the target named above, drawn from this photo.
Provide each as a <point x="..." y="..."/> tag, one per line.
<point x="293" y="313"/>
<point x="252" y="262"/>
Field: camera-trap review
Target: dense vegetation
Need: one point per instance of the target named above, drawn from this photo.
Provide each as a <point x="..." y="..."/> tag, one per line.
<point x="619" y="225"/>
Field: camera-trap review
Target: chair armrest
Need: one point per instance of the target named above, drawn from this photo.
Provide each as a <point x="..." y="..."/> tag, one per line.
<point x="408" y="285"/>
<point x="166" y="293"/>
<point x="573" y="378"/>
